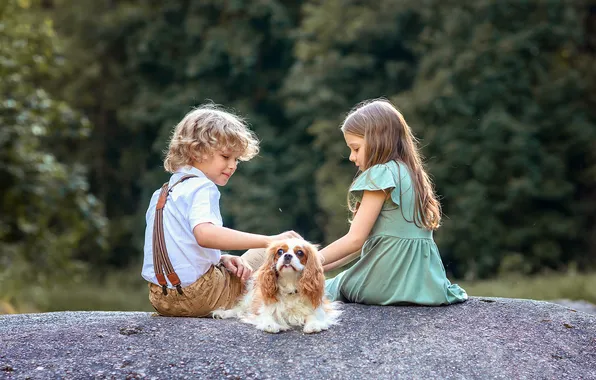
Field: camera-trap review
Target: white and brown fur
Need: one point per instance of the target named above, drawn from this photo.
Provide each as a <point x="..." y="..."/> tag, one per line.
<point x="287" y="290"/>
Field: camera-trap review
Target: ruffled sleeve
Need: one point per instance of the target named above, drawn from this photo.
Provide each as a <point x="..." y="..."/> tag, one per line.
<point x="378" y="177"/>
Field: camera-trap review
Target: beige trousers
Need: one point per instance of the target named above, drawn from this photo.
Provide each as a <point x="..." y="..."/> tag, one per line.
<point x="216" y="289"/>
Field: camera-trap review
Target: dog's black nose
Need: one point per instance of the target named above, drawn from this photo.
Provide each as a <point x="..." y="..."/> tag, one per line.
<point x="287" y="257"/>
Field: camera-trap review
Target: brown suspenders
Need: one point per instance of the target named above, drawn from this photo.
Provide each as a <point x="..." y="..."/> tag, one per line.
<point x="161" y="261"/>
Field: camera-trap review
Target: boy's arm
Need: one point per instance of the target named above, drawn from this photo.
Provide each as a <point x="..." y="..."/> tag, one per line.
<point x="211" y="236"/>
<point x="364" y="220"/>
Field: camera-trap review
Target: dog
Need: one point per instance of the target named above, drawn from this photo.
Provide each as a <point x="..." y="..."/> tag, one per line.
<point x="287" y="290"/>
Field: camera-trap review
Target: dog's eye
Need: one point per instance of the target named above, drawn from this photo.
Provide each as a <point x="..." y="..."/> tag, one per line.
<point x="299" y="253"/>
<point x="280" y="252"/>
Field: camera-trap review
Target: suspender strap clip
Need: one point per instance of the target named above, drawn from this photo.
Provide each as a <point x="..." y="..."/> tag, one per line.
<point x="175" y="280"/>
<point x="161" y="279"/>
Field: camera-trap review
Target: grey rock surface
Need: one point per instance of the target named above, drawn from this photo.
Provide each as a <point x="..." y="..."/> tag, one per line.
<point x="578" y="305"/>
<point x="484" y="338"/>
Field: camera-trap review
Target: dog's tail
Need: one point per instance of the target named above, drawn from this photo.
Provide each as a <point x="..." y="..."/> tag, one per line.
<point x="333" y="310"/>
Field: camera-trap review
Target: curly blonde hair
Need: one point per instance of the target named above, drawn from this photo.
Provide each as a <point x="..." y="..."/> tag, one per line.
<point x="205" y="129"/>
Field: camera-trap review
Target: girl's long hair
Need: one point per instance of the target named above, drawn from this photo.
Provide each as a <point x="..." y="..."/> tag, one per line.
<point x="388" y="137"/>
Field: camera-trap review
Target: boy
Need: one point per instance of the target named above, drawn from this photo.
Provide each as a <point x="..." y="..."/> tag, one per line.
<point x="185" y="232"/>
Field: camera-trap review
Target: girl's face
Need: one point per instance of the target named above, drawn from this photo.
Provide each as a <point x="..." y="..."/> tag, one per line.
<point x="357" y="149"/>
<point x="218" y="166"/>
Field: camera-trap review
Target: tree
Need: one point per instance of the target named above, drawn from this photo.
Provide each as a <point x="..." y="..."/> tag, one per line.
<point x="505" y="97"/>
<point x="501" y="95"/>
<point x="235" y="54"/>
<point x="138" y="67"/>
<point x="95" y="82"/>
<point x="48" y="217"/>
<point x="345" y="52"/>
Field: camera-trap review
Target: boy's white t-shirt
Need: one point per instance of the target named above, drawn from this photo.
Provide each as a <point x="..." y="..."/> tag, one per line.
<point x="190" y="203"/>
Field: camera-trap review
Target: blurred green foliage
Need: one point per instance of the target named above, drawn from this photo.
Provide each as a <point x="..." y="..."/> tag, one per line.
<point x="49" y="218"/>
<point x="502" y="95"/>
<point x="346" y="52"/>
<point x="138" y="67"/>
<point x="505" y="96"/>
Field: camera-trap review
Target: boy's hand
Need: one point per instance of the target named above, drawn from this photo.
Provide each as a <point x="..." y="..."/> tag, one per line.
<point x="235" y="265"/>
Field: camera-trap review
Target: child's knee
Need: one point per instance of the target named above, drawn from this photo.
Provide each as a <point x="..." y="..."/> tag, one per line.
<point x="254" y="258"/>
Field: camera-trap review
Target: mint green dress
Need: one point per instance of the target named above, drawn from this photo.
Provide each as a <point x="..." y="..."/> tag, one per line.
<point x="399" y="262"/>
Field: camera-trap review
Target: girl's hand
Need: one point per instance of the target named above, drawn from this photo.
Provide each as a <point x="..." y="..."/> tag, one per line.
<point x="286" y="235"/>
<point x="235" y="265"/>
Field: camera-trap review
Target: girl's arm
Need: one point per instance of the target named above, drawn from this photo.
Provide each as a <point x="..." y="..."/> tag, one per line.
<point x="341" y="262"/>
<point x="209" y="235"/>
<point x="364" y="220"/>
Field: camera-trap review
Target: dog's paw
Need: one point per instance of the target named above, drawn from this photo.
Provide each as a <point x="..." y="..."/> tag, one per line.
<point x="271" y="327"/>
<point x="223" y="314"/>
<point x="315" y="327"/>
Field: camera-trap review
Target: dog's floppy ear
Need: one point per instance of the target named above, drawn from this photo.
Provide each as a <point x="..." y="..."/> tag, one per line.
<point x="312" y="281"/>
<point x="267" y="277"/>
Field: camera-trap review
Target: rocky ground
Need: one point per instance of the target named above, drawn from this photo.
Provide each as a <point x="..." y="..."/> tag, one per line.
<point x="486" y="338"/>
<point x="584" y="306"/>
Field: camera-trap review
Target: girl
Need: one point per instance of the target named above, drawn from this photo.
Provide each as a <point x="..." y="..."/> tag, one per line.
<point x="183" y="265"/>
<point x="395" y="211"/>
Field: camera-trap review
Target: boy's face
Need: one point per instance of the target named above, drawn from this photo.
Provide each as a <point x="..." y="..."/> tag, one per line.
<point x="218" y="166"/>
<point x="357" y="149"/>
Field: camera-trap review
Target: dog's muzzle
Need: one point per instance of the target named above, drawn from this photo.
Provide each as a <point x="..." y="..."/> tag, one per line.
<point x="287" y="258"/>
